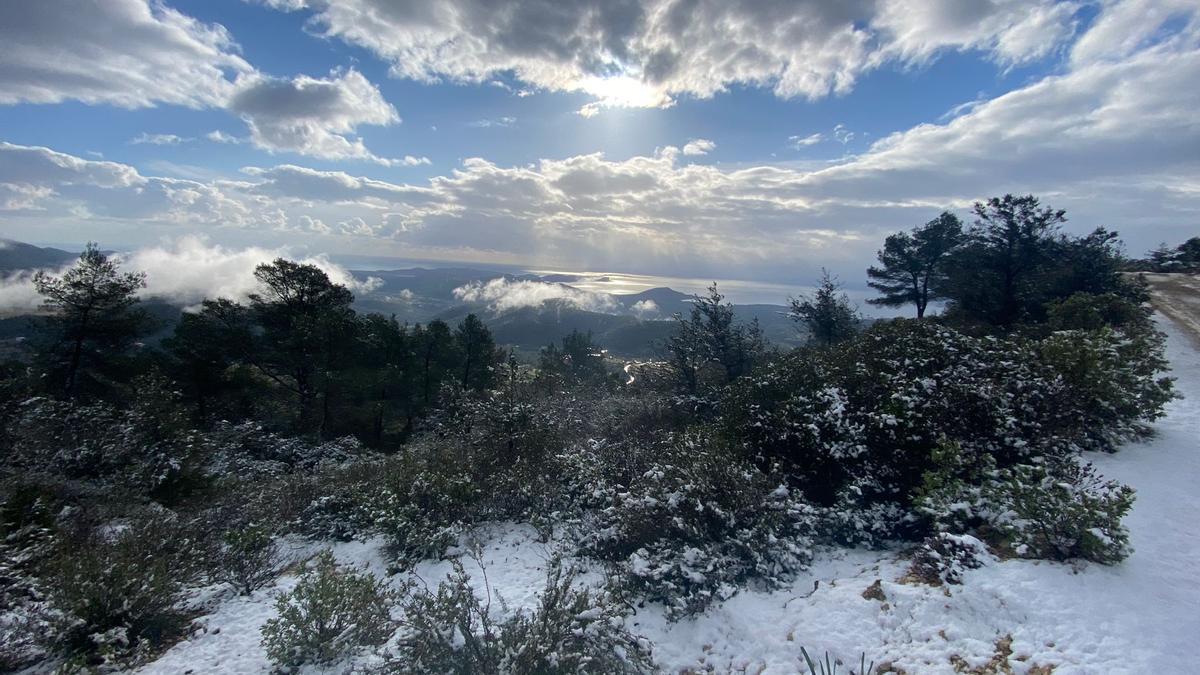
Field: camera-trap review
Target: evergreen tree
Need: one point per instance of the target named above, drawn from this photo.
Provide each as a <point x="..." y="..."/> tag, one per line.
<point x="307" y="326"/>
<point x="477" y="349"/>
<point x="384" y="373"/>
<point x="911" y="264"/>
<point x="710" y="336"/>
<point x="433" y="345"/>
<point x="205" y="354"/>
<point x="579" y="360"/>
<point x="997" y="276"/>
<point x="92" y="323"/>
<point x="827" y="314"/>
<point x="1188" y="254"/>
<point x="1162" y="259"/>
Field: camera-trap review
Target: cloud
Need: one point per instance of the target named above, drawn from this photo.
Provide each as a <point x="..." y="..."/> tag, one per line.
<point x="128" y="53"/>
<point x="799" y="142"/>
<point x="1111" y="139"/>
<point x="646" y="309"/>
<point x="647" y="53"/>
<point x="699" y="146"/>
<point x="314" y="116"/>
<point x="187" y="271"/>
<point x="503" y="295"/>
<point x="218" y="136"/>
<point x="489" y="123"/>
<point x="158" y="139"/>
<point x="141" y="53"/>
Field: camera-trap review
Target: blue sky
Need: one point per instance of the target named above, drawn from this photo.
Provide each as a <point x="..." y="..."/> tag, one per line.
<point x="753" y="140"/>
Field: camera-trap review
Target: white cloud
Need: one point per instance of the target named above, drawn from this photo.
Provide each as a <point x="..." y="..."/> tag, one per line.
<point x="489" y="123"/>
<point x="799" y="142"/>
<point x="187" y="271"/>
<point x="646" y="53"/>
<point x="699" y="146"/>
<point x="646" y="309"/>
<point x="1110" y="139"/>
<point x="502" y="295"/>
<point x="313" y="116"/>
<point x="129" y="53"/>
<point x="218" y="136"/>
<point x="141" y="53"/>
<point x="158" y="139"/>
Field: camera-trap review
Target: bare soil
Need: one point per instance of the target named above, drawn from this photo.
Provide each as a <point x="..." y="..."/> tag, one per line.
<point x="1177" y="296"/>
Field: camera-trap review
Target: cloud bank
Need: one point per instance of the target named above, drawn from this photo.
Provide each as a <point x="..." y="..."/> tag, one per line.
<point x="139" y="54"/>
<point x="187" y="271"/>
<point x="647" y="53"/>
<point x="503" y="295"/>
<point x="1112" y="138"/>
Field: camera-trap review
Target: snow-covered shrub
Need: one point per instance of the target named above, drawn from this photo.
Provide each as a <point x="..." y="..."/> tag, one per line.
<point x="248" y="559"/>
<point x="572" y="630"/>
<point x="869" y="421"/>
<point x="943" y="557"/>
<point x="1114" y="379"/>
<point x="331" y="612"/>
<point x="23" y="632"/>
<point x="876" y="408"/>
<point x="697" y="524"/>
<point x="1069" y="512"/>
<point x="854" y="520"/>
<point x="146" y="447"/>
<point x="117" y="586"/>
<point x="249" y="450"/>
<point x="421" y="504"/>
<point x="28" y="529"/>
<point x="1059" y="511"/>
<point x="505" y="442"/>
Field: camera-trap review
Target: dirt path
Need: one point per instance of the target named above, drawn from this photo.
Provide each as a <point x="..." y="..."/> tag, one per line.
<point x="1177" y="296"/>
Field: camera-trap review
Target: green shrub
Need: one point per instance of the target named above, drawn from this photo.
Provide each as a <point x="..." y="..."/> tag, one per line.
<point x="1063" y="514"/>
<point x="1058" y="511"/>
<point x="697" y="524"/>
<point x="248" y="559"/>
<point x="118" y="587"/>
<point x="572" y="630"/>
<point x="1114" y="381"/>
<point x="331" y="612"/>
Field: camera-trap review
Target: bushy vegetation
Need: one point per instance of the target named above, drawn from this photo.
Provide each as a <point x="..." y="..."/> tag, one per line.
<point x="573" y="629"/>
<point x="331" y="612"/>
<point x="1182" y="258"/>
<point x="291" y="414"/>
<point x="116" y="589"/>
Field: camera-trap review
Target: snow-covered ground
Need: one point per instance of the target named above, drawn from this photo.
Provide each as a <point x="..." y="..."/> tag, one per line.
<point x="1137" y="617"/>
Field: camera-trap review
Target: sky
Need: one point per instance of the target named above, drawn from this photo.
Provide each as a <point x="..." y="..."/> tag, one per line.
<point x="735" y="139"/>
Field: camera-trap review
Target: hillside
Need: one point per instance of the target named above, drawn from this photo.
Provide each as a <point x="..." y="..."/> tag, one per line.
<point x="1008" y="616"/>
<point x="15" y="255"/>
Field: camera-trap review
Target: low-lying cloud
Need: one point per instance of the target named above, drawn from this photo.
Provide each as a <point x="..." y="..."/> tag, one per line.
<point x="187" y="271"/>
<point x="503" y="295"/>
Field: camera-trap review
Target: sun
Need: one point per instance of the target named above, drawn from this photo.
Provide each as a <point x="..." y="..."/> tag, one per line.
<point x="622" y="91"/>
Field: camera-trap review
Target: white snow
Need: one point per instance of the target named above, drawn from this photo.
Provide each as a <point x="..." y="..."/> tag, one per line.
<point x="1141" y="616"/>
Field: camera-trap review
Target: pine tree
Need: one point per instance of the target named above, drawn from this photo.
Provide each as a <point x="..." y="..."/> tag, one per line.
<point x="997" y="276"/>
<point x="827" y="314"/>
<point x="92" y="322"/>
<point x="710" y="335"/>
<point x="307" y="328"/>
<point x="477" y="349"/>
<point x="911" y="268"/>
<point x="579" y="360"/>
